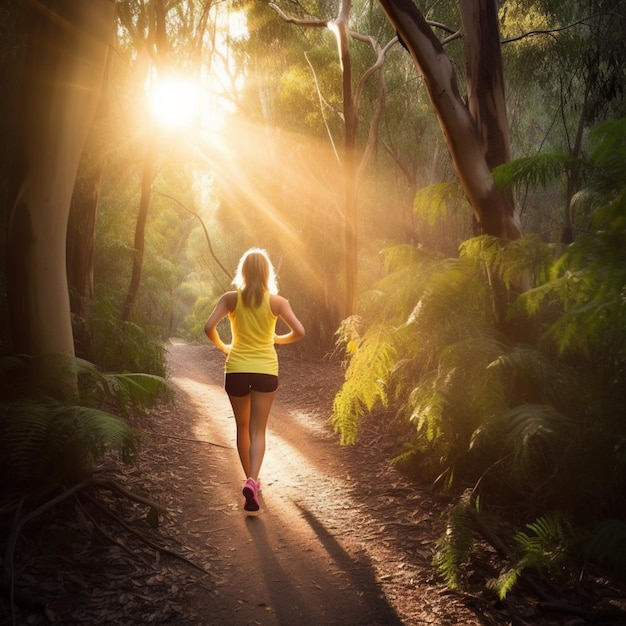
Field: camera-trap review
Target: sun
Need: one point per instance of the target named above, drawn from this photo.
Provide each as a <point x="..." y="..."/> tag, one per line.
<point x="175" y="101"/>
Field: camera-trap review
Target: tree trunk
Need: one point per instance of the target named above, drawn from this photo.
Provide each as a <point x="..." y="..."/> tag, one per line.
<point x="493" y="212"/>
<point x="340" y="27"/>
<point x="147" y="178"/>
<point x="64" y="65"/>
<point x="82" y="225"/>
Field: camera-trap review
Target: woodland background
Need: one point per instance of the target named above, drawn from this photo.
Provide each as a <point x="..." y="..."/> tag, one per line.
<point x="441" y="186"/>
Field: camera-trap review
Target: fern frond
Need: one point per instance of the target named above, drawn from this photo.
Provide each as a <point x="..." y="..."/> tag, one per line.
<point x="134" y="389"/>
<point x="366" y="380"/>
<point x="531" y="374"/>
<point x="348" y="335"/>
<point x="547" y="545"/>
<point x="129" y="390"/>
<point x="545" y="548"/>
<point x="536" y="435"/>
<point x="43" y="441"/>
<point x="429" y="403"/>
<point x="434" y="202"/>
<point x="505" y="582"/>
<point x="534" y="171"/>
<point x="528" y="255"/>
<point x="409" y="269"/>
<point x="454" y="548"/>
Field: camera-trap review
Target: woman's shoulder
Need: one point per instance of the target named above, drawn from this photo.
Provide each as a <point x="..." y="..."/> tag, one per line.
<point x="230" y="299"/>
<point x="276" y="302"/>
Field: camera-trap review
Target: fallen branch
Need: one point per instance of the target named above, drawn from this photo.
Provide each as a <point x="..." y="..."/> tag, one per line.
<point x="110" y="485"/>
<point x="143" y="538"/>
<point x="113" y="540"/>
<point x="7" y="582"/>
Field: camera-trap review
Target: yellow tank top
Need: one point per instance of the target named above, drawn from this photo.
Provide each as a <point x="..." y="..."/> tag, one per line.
<point x="253" y="331"/>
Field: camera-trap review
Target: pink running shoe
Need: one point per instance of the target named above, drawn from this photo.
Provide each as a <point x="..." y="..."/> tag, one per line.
<point x="249" y="493"/>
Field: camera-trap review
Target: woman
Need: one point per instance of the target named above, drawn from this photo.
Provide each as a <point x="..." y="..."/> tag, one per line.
<point x="251" y="379"/>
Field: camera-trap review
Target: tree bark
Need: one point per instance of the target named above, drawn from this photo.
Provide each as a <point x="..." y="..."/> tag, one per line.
<point x="82" y="224"/>
<point x="147" y="178"/>
<point x="340" y="28"/>
<point x="64" y="65"/>
<point x="493" y="212"/>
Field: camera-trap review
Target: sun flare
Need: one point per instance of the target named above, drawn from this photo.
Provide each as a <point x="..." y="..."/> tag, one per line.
<point x="175" y="102"/>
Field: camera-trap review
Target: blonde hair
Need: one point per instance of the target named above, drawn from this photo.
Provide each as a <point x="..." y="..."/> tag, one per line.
<point x="255" y="275"/>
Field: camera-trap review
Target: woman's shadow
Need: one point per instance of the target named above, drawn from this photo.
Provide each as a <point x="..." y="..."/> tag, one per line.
<point x="335" y="588"/>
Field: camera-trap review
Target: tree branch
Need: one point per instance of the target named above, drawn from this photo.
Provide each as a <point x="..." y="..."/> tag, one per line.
<point x="550" y="31"/>
<point x="204" y="228"/>
<point x="315" y="22"/>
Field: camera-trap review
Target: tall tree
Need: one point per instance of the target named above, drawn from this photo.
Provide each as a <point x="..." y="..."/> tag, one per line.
<point x="158" y="46"/>
<point x="63" y="70"/>
<point x="351" y="164"/>
<point x="476" y="135"/>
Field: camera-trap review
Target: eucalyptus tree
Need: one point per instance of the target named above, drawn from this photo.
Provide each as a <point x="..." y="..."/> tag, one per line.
<point x="476" y="134"/>
<point x="67" y="47"/>
<point x="340" y="25"/>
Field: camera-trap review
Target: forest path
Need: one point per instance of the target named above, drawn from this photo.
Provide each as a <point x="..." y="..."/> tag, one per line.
<point x="323" y="548"/>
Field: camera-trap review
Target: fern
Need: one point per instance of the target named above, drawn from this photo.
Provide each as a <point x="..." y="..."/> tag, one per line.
<point x="372" y="359"/>
<point x="534" y="171"/>
<point x="46" y="442"/>
<point x="546" y="548"/>
<point x="536" y="436"/>
<point x="124" y="346"/>
<point x="453" y="549"/>
<point x="435" y="201"/>
<point x="528" y="255"/>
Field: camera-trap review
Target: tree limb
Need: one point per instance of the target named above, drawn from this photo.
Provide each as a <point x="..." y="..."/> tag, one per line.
<point x="315" y="22"/>
<point x="204" y="228"/>
<point x="145" y="539"/>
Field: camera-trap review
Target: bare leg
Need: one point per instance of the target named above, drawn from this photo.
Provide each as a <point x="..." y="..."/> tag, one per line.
<point x="261" y="404"/>
<point x="241" y="409"/>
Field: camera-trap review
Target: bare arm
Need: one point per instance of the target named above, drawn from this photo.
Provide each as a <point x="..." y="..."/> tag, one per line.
<point x="219" y="313"/>
<point x="282" y="308"/>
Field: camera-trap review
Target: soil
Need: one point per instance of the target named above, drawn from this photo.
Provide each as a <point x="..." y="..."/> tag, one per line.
<point x="342" y="537"/>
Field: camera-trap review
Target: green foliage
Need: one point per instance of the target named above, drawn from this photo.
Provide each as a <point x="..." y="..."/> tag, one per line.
<point x="522" y="395"/>
<point x="442" y="325"/>
<point x="128" y="390"/>
<point x="454" y="547"/>
<point x="372" y="357"/>
<point x="536" y="436"/>
<point x="588" y="283"/>
<point x="45" y="442"/>
<point x="123" y="346"/>
<point x="197" y="317"/>
<point x="546" y="549"/>
<point x="435" y="202"/>
<point x="536" y="171"/>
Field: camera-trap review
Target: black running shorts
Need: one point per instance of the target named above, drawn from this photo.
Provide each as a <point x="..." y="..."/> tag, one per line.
<point x="241" y="384"/>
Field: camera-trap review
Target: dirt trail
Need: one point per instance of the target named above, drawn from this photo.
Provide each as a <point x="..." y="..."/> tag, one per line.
<point x="317" y="552"/>
<point x="341" y="538"/>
